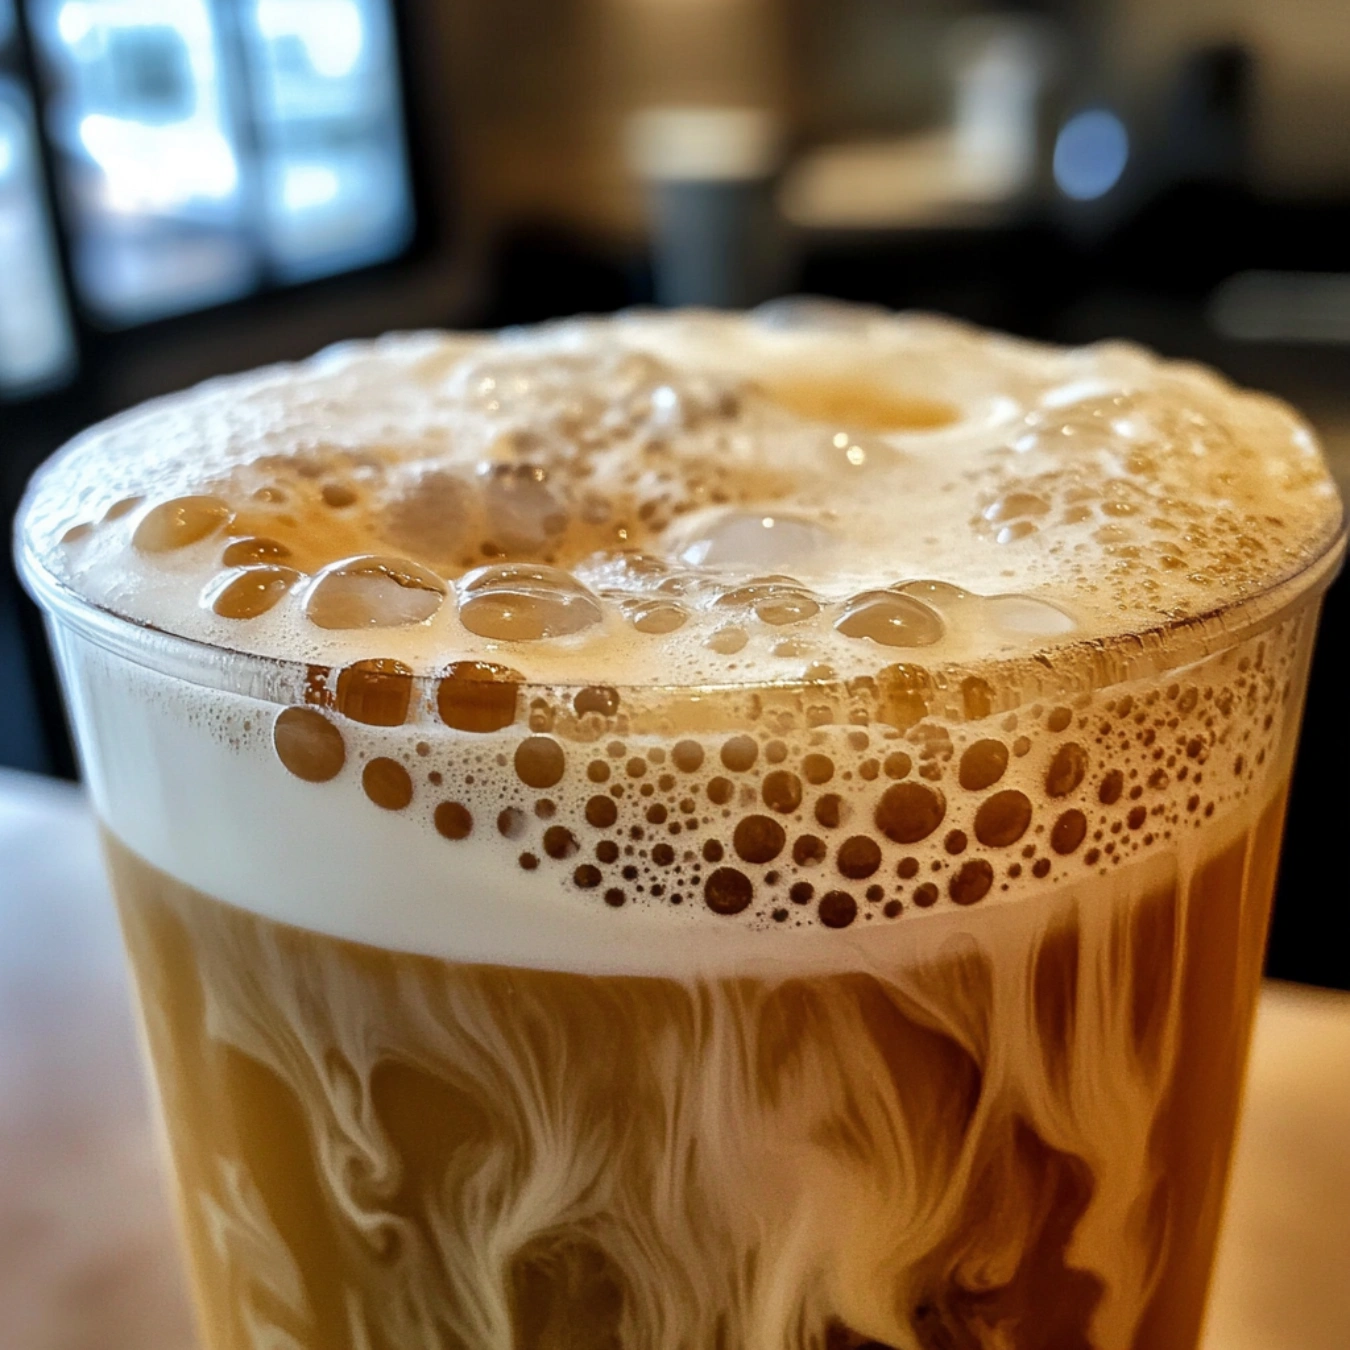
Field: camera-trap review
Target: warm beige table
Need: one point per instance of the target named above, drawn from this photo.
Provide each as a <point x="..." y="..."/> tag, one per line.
<point x="87" y="1259"/>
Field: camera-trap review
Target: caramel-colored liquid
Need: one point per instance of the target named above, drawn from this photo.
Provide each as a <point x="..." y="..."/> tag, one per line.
<point x="1018" y="1139"/>
<point x="862" y="404"/>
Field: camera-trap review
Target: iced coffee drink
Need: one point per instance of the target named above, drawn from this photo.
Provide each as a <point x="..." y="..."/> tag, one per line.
<point x="694" y="832"/>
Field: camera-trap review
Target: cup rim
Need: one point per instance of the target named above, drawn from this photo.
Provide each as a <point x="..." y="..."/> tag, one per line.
<point x="1079" y="664"/>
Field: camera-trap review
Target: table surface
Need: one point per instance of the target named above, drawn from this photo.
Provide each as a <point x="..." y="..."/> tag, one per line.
<point x="87" y="1251"/>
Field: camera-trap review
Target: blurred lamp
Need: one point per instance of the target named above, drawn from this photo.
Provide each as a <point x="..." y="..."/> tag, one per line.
<point x="1091" y="152"/>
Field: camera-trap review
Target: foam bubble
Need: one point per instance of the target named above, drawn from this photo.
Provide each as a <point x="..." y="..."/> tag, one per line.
<point x="373" y="592"/>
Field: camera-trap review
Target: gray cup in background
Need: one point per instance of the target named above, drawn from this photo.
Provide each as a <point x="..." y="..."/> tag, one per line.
<point x="709" y="175"/>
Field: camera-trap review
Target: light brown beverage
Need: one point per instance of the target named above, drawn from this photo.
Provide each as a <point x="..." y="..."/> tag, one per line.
<point x="883" y="975"/>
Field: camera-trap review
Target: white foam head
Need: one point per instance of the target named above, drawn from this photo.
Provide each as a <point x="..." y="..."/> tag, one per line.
<point x="666" y="463"/>
<point x="459" y="546"/>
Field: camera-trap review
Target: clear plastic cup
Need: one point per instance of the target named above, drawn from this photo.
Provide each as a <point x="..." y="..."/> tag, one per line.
<point x="986" y="1098"/>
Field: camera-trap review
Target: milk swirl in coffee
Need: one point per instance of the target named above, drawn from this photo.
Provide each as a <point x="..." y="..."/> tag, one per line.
<point x="696" y="830"/>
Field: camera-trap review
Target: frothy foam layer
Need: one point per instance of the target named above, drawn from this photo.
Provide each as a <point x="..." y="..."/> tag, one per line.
<point x="592" y="830"/>
<point x="807" y="492"/>
<point x="846" y="549"/>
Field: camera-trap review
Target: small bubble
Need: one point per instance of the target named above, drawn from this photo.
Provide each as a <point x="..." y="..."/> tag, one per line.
<point x="308" y="744"/>
<point x="254" y="549"/>
<point x="587" y="876"/>
<point x="858" y="857"/>
<point x="1059" y="719"/>
<point x="511" y="822"/>
<point x="982" y="765"/>
<point x="373" y="592"/>
<point x="1015" y="506"/>
<point x="837" y="909"/>
<point x="739" y="753"/>
<point x="540" y="762"/>
<point x="122" y="508"/>
<point x="1068" y="832"/>
<point x="907" y="868"/>
<point x="519" y="602"/>
<point x="1066" y="769"/>
<point x="890" y="619"/>
<point x="688" y="756"/>
<point x="754" y="540"/>
<point x="908" y="812"/>
<point x="560" y="842"/>
<point x="387" y="783"/>
<point x="727" y="641"/>
<point x="782" y="791"/>
<point x="453" y="820"/>
<point x="774" y="603"/>
<point x="376" y="692"/>
<point x="925" y="895"/>
<point x="758" y="839"/>
<point x="601" y="812"/>
<point x="971" y="882"/>
<point x="655" y="616"/>
<point x="596" y="698"/>
<point x="977" y="698"/>
<point x="178" y="523"/>
<point x="1003" y="818"/>
<point x="247" y="592"/>
<point x="829" y="810"/>
<point x="897" y="764"/>
<point x="808" y="850"/>
<point x="727" y="891"/>
<point x="77" y="532"/>
<point x="337" y="495"/>
<point x="817" y="769"/>
<point x="614" y="897"/>
<point x="477" y="696"/>
<point x="1024" y="616"/>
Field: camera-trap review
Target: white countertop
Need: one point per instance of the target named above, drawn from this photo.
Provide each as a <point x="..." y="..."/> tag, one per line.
<point x="87" y="1251"/>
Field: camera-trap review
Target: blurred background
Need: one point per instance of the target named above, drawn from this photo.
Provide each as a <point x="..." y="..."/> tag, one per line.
<point x="189" y="187"/>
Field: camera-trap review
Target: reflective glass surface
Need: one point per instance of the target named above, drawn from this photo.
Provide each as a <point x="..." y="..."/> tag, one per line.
<point x="36" y="344"/>
<point x="205" y="148"/>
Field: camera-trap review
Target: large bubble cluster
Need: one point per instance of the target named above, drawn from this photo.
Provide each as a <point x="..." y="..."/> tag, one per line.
<point x="801" y="809"/>
<point x="791" y="619"/>
<point x="691" y="497"/>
